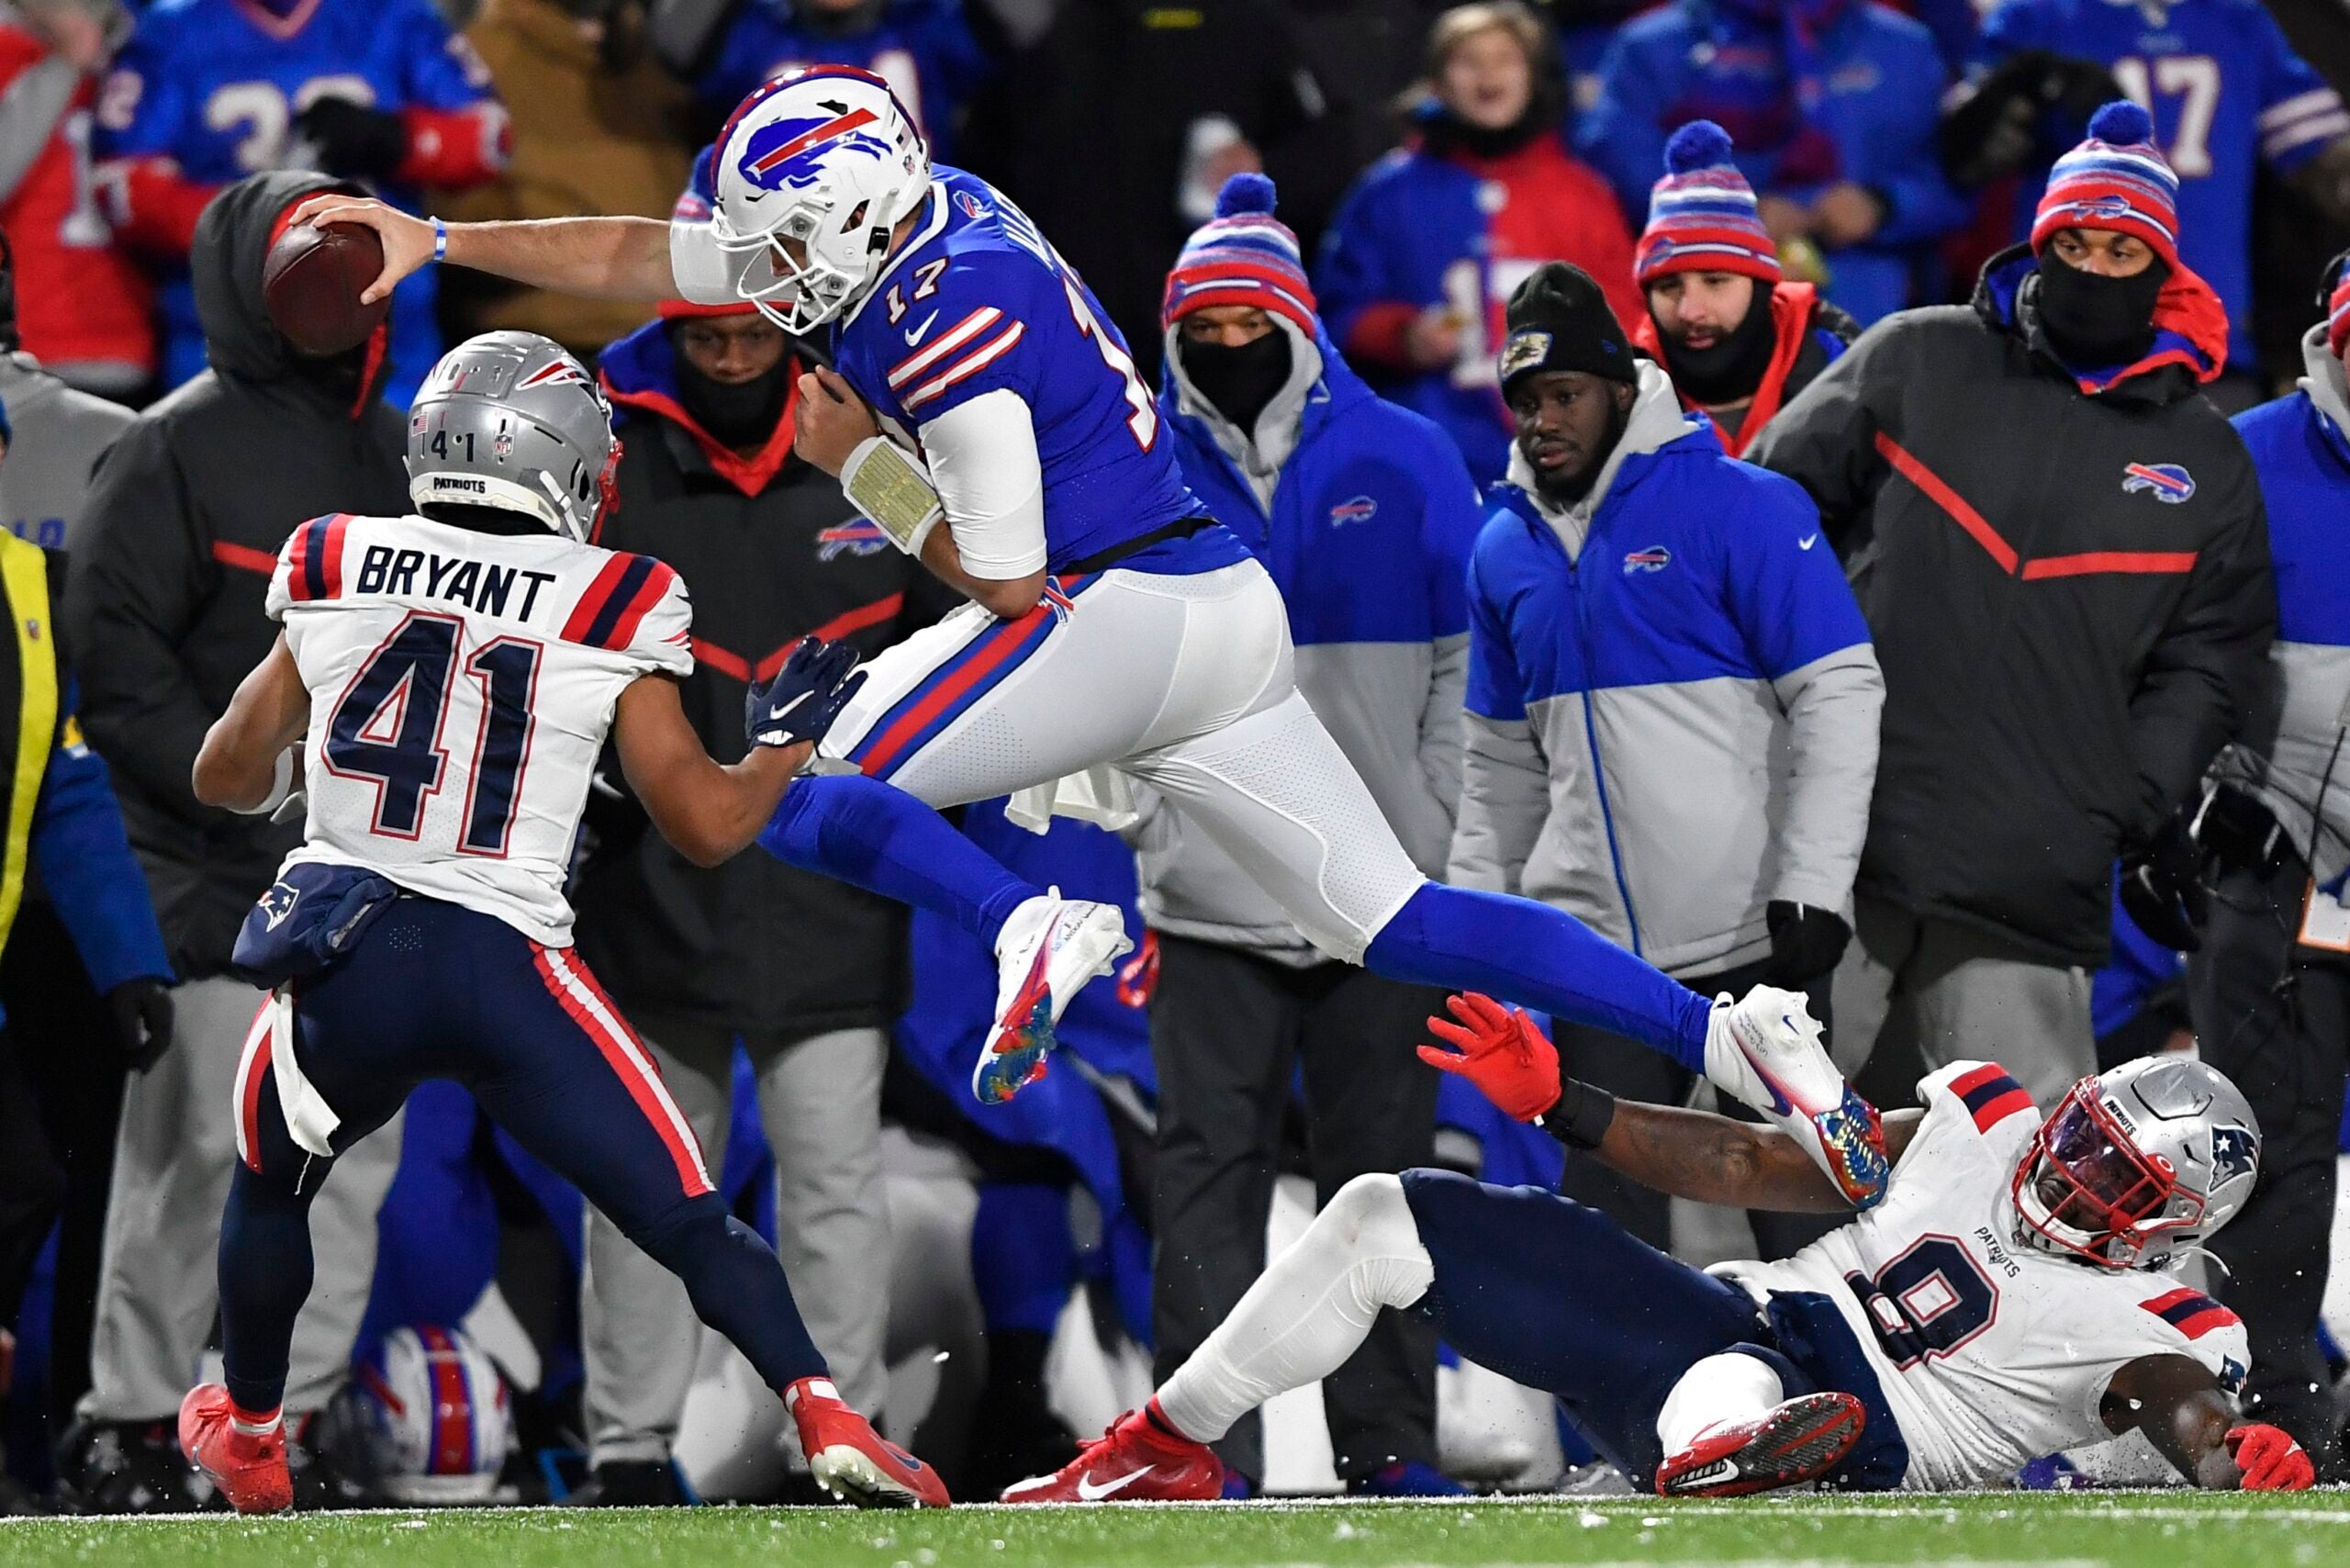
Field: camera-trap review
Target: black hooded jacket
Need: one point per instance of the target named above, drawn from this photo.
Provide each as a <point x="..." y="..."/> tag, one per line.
<point x="2069" y="591"/>
<point x="179" y="534"/>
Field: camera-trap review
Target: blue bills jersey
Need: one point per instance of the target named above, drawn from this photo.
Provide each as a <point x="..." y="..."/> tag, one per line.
<point x="2226" y="92"/>
<point x="922" y="48"/>
<point x="214" y="84"/>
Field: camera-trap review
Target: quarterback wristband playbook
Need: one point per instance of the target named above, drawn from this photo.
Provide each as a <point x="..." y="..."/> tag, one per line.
<point x="1581" y="1115"/>
<point x="887" y="484"/>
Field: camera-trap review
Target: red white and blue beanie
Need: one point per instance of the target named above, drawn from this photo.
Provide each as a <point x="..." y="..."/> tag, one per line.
<point x="1242" y="256"/>
<point x="1701" y="214"/>
<point x="2116" y="180"/>
<point x="2337" y="314"/>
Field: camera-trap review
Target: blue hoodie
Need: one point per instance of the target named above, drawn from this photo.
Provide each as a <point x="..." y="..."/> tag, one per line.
<point x="1365" y="514"/>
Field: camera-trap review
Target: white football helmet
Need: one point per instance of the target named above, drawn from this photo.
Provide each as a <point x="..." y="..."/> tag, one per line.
<point x="812" y="172"/>
<point x="424" y="1420"/>
<point x="2138" y="1163"/>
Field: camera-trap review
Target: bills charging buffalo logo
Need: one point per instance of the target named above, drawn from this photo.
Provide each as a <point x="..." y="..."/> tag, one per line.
<point x="858" y="536"/>
<point x="1655" y="558"/>
<point x="2169" y="482"/>
<point x="1361" y="508"/>
<point x="792" y="151"/>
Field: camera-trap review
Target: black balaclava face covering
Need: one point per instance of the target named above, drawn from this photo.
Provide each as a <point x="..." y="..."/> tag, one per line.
<point x="1563" y="493"/>
<point x="735" y="414"/>
<point x="2093" y="320"/>
<point x="338" y="376"/>
<point x="1732" y="367"/>
<point x="1238" y="382"/>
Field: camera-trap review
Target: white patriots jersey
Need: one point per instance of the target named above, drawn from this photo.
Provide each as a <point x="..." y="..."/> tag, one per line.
<point x="1990" y="1352"/>
<point x="461" y="688"/>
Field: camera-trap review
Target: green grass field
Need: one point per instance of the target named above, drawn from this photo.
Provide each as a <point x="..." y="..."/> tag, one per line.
<point x="2122" y="1529"/>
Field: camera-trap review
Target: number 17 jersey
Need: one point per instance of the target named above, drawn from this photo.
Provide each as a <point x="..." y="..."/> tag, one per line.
<point x="462" y="685"/>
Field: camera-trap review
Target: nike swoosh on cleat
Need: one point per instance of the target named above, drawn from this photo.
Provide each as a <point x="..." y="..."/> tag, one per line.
<point x="1088" y="1492"/>
<point x="1779" y="1100"/>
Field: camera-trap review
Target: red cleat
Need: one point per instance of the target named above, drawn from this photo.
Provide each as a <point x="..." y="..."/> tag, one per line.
<point x="1138" y="1460"/>
<point x="248" y="1467"/>
<point x="1799" y="1440"/>
<point x="850" y="1459"/>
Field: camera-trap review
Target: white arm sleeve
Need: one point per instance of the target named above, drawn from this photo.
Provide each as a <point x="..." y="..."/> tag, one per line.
<point x="983" y="463"/>
<point x="702" y="273"/>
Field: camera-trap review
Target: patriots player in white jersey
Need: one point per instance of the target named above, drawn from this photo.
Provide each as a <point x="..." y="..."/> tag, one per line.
<point x="987" y="417"/>
<point x="2007" y="1299"/>
<point x="441" y="689"/>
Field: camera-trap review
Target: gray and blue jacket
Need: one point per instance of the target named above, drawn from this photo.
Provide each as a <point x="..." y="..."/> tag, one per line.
<point x="1673" y="701"/>
<point x="1364" y="514"/>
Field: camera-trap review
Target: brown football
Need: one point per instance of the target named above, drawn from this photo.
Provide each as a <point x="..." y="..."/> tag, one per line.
<point x="311" y="282"/>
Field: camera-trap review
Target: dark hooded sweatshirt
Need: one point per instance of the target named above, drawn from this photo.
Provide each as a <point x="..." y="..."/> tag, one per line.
<point x="179" y="534"/>
<point x="770" y="550"/>
<point x="2066" y="577"/>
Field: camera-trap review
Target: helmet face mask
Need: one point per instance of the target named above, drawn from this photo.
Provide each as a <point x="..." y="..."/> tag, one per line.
<point x="813" y="176"/>
<point x="2136" y="1164"/>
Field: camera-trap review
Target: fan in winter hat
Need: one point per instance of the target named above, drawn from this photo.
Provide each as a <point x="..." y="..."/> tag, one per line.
<point x="1702" y="215"/>
<point x="2116" y="180"/>
<point x="1242" y="256"/>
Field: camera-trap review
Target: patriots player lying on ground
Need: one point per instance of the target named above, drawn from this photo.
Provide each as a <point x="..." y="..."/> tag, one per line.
<point x="443" y="688"/>
<point x="1112" y="621"/>
<point x="2005" y="1300"/>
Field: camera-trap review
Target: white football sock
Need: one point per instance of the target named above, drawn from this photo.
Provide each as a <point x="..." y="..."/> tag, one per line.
<point x="1732" y="1386"/>
<point x="1307" y="1312"/>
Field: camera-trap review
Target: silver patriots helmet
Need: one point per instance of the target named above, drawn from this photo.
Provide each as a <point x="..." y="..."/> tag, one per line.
<point x="2138" y="1163"/>
<point x="508" y="420"/>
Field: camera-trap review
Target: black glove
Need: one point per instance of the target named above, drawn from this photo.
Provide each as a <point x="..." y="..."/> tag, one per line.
<point x="1806" y="943"/>
<point x="140" y="1012"/>
<point x="352" y="139"/>
<point x="2162" y="888"/>
<point x="2236" y="833"/>
<point x="807" y="694"/>
<point x="1998" y="130"/>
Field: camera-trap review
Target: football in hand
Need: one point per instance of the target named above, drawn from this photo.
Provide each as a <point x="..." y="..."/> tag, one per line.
<point x="311" y="283"/>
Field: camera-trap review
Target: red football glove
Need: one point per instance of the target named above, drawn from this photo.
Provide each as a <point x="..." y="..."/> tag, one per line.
<point x="1499" y="1051"/>
<point x="2271" y="1460"/>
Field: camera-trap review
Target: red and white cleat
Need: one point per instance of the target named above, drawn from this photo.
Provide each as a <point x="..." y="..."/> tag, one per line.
<point x="1138" y="1460"/>
<point x="248" y="1467"/>
<point x="850" y="1459"/>
<point x="1044" y="954"/>
<point x="1787" y="1445"/>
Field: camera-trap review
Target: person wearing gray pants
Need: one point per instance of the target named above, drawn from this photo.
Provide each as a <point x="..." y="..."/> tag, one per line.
<point x="820" y="1103"/>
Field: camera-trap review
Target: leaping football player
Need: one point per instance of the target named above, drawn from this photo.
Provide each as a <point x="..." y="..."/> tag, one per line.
<point x="2005" y="1300"/>
<point x="988" y="418"/>
<point x="441" y="692"/>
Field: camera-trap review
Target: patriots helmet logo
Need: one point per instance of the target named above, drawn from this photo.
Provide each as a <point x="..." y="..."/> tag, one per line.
<point x="1655" y="558"/>
<point x="857" y="536"/>
<point x="278" y="903"/>
<point x="1361" y="509"/>
<point x="2170" y="482"/>
<point x="2233" y="1154"/>
<point x="793" y="153"/>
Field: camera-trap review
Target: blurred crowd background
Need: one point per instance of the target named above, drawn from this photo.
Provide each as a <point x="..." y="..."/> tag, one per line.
<point x="986" y="1277"/>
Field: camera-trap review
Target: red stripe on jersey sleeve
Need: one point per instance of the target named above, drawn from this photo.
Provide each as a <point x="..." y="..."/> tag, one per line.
<point x="2000" y="1108"/>
<point x="333" y="550"/>
<point x="591" y="603"/>
<point x="648" y="594"/>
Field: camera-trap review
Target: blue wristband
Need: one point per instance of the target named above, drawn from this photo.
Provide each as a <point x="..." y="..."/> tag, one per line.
<point x="440" y="241"/>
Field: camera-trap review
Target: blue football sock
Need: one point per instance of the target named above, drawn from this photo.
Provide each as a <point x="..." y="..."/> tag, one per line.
<point x="871" y="836"/>
<point x="1542" y="957"/>
<point x="264" y="1278"/>
<point x="1024" y="1258"/>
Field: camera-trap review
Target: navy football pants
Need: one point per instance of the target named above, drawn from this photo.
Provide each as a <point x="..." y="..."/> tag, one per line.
<point x="1558" y="1297"/>
<point x="435" y="990"/>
